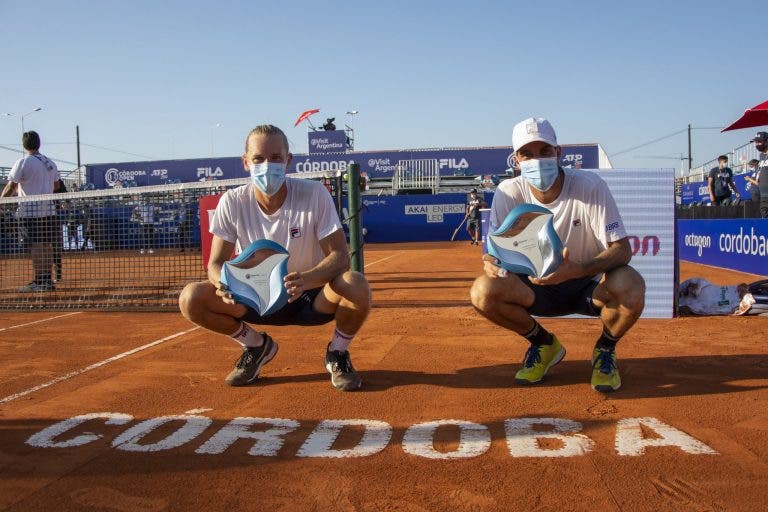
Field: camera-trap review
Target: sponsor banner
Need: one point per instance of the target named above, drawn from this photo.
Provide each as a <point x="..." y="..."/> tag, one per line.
<point x="698" y="192"/>
<point x="164" y="172"/>
<point x="738" y="244"/>
<point x="375" y="164"/>
<point x="584" y="156"/>
<point x="322" y="142"/>
<point x="207" y="207"/>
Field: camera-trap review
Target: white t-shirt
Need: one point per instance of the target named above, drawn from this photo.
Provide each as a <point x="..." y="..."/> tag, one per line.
<point x="35" y="175"/>
<point x="585" y="214"/>
<point x="307" y="216"/>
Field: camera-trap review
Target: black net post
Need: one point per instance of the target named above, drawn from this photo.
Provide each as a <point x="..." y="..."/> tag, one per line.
<point x="355" y="222"/>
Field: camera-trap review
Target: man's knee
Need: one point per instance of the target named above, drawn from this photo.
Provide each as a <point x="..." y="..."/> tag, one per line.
<point x="484" y="293"/>
<point x="354" y="287"/>
<point x="627" y="289"/>
<point x="193" y="298"/>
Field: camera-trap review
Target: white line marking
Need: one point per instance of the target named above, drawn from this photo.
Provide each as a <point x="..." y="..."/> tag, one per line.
<point x="38" y="321"/>
<point x="198" y="411"/>
<point x="94" y="366"/>
<point x="382" y="259"/>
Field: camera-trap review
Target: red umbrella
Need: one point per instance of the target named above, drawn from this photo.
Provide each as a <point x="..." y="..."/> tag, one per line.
<point x="305" y="115"/>
<point x="755" y="116"/>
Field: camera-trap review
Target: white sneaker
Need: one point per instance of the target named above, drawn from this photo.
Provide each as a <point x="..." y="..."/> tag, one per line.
<point x="141" y="251"/>
<point x="36" y="287"/>
<point x="151" y="251"/>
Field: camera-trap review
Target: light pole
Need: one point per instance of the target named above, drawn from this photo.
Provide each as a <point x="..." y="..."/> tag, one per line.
<point x="22" y="116"/>
<point x="217" y="125"/>
<point x="36" y="109"/>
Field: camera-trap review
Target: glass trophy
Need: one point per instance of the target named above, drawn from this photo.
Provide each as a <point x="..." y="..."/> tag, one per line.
<point x="526" y="242"/>
<point x="255" y="276"/>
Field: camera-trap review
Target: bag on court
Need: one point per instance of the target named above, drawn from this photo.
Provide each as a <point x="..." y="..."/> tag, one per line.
<point x="697" y="296"/>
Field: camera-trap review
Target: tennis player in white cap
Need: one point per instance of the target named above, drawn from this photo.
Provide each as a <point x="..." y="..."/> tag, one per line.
<point x="595" y="278"/>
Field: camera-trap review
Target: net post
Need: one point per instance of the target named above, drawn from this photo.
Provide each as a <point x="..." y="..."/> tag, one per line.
<point x="355" y="224"/>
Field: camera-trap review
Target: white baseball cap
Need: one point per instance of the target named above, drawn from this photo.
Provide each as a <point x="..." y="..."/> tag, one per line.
<point x="533" y="129"/>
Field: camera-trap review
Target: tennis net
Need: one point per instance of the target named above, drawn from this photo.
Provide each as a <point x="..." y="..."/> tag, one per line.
<point x="117" y="249"/>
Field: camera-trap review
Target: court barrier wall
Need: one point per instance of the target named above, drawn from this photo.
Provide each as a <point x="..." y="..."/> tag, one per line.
<point x="737" y="244"/>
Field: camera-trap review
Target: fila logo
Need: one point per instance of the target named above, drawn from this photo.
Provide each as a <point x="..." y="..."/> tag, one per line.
<point x="295" y="232"/>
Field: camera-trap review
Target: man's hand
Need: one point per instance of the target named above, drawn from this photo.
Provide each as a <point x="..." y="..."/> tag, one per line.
<point x="222" y="291"/>
<point x="492" y="268"/>
<point x="294" y="283"/>
<point x="567" y="270"/>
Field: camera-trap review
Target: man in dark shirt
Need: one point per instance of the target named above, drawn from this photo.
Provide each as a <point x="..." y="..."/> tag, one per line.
<point x="761" y="144"/>
<point x="474" y="203"/>
<point x="721" y="182"/>
<point x="752" y="177"/>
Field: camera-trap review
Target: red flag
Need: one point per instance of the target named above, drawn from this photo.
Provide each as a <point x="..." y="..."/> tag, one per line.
<point x="304" y="115"/>
<point x="755" y="116"/>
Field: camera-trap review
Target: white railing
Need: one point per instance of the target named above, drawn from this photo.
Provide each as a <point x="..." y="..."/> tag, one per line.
<point x="417" y="174"/>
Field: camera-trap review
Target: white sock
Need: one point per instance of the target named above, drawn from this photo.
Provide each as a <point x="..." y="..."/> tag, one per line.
<point x="247" y="337"/>
<point x="340" y="341"/>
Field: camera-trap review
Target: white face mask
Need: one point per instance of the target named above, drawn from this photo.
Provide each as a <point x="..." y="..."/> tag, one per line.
<point x="540" y="172"/>
<point x="268" y="176"/>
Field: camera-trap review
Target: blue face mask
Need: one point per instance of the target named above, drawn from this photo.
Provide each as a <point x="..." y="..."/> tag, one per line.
<point x="268" y="176"/>
<point x="539" y="172"/>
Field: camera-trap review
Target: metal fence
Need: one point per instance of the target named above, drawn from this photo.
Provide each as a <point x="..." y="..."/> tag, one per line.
<point x="737" y="161"/>
<point x="420" y="174"/>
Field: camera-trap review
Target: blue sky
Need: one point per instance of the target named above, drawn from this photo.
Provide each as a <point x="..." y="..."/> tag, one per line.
<point x="153" y="79"/>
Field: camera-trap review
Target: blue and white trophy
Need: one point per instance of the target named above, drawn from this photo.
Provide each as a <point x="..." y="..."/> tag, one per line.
<point x="526" y="242"/>
<point x="255" y="276"/>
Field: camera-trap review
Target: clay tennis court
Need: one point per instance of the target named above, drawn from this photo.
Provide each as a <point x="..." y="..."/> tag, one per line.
<point x="439" y="424"/>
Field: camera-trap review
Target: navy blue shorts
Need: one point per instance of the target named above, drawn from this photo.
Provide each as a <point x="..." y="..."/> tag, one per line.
<point x="568" y="298"/>
<point x="298" y="312"/>
<point x="39" y="230"/>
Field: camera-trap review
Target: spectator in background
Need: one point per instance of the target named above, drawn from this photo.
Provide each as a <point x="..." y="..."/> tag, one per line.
<point x="752" y="177"/>
<point x="474" y="203"/>
<point x="761" y="144"/>
<point x="185" y="211"/>
<point x="720" y="182"/>
<point x="35" y="174"/>
<point x="145" y="213"/>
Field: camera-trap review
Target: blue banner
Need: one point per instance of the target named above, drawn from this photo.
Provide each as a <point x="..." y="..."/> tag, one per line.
<point x="323" y="142"/>
<point x="698" y="192"/>
<point x="415" y="218"/>
<point x="580" y="157"/>
<point x="738" y="244"/>
<point x="376" y="164"/>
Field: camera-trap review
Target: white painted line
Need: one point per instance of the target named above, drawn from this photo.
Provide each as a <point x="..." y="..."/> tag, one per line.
<point x="75" y="373"/>
<point x="39" y="321"/>
<point x="382" y="259"/>
<point x="198" y="411"/>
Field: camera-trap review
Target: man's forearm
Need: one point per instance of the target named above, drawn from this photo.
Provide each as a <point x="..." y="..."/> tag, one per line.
<point x="9" y="188"/>
<point x="328" y="268"/>
<point x="614" y="256"/>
